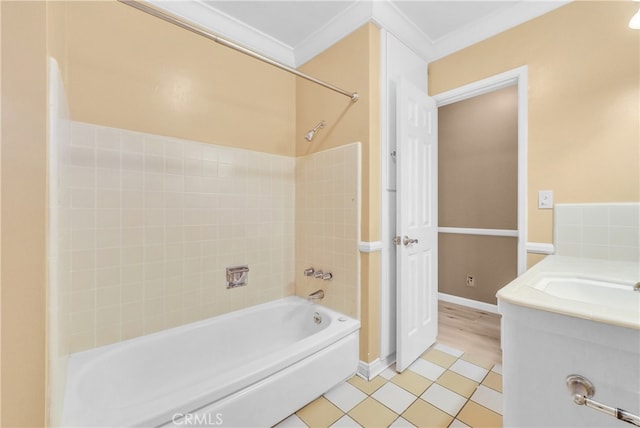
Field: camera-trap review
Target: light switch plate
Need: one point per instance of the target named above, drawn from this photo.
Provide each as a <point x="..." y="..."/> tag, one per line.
<point x="545" y="199"/>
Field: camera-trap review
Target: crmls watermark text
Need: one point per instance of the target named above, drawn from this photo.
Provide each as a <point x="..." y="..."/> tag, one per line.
<point x="187" y="419"/>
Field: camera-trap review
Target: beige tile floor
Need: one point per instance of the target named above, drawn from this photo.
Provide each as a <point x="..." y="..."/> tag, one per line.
<point x="443" y="388"/>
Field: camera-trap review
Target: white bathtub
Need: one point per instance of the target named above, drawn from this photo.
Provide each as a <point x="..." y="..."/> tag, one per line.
<point x="248" y="368"/>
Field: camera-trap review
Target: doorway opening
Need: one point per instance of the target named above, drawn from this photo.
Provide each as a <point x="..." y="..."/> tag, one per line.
<point x="481" y="204"/>
<point x="482" y="188"/>
<point x="478" y="196"/>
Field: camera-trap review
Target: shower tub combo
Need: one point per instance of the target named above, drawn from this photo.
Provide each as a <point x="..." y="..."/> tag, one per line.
<point x="252" y="367"/>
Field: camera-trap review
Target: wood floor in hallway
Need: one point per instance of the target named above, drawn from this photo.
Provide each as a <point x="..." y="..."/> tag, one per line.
<point x="470" y="330"/>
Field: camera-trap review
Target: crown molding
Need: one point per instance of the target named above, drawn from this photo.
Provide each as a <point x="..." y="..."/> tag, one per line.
<point x="228" y="27"/>
<point x="383" y="13"/>
<point x="333" y="31"/>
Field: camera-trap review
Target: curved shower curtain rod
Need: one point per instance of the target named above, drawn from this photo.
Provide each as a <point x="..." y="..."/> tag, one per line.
<point x="166" y="16"/>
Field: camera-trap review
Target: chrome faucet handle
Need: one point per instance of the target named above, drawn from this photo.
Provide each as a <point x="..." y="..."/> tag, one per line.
<point x="327" y="276"/>
<point x="318" y="274"/>
<point x="309" y="272"/>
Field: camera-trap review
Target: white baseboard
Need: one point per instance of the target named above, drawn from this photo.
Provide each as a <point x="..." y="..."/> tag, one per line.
<point x="370" y="370"/>
<point x="487" y="307"/>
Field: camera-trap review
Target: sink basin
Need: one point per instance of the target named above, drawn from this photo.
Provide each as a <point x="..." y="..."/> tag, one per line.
<point x="587" y="290"/>
<point x="597" y="290"/>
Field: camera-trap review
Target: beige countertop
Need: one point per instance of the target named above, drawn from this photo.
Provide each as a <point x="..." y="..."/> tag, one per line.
<point x="598" y="290"/>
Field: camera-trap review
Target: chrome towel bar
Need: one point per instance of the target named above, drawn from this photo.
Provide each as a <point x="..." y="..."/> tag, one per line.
<point x="581" y="389"/>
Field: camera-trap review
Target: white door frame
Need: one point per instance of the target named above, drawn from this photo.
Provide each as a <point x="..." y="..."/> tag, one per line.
<point x="517" y="76"/>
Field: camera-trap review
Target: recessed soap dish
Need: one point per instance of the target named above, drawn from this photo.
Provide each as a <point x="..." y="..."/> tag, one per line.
<point x="237" y="276"/>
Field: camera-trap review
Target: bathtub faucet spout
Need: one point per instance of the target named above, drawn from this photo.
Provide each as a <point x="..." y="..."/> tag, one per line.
<point x="316" y="295"/>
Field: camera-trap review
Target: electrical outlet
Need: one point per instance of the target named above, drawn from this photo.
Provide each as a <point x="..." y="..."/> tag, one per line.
<point x="470" y="281"/>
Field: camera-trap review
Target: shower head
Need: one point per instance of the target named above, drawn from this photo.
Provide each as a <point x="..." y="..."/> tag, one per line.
<point x="312" y="132"/>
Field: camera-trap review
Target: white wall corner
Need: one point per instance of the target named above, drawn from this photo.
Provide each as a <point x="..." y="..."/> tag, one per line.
<point x="206" y="16"/>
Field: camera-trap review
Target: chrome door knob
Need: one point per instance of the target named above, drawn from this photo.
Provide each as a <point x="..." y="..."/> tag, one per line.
<point x="408" y="241"/>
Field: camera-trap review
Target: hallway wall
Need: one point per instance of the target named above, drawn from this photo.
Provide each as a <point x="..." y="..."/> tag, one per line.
<point x="478" y="188"/>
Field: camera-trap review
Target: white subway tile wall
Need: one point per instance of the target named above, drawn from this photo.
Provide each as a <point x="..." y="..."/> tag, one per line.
<point x="328" y="225"/>
<point x="603" y="231"/>
<point x="147" y="225"/>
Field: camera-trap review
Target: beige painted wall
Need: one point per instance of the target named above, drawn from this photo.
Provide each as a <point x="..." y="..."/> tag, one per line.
<point x="352" y="64"/>
<point x="129" y="70"/>
<point x="370" y="306"/>
<point x="24" y="198"/>
<point x="0" y="217"/>
<point x="478" y="188"/>
<point x="584" y="118"/>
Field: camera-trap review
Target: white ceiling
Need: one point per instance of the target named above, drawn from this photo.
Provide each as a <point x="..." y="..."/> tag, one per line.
<point x="295" y="31"/>
<point x="287" y="21"/>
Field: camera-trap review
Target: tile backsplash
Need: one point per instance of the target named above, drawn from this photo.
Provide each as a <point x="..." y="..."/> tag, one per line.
<point x="145" y="227"/>
<point x="148" y="224"/>
<point x="603" y="231"/>
<point x="328" y="225"/>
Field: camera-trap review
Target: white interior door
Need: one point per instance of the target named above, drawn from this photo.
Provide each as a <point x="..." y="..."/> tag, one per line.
<point x="417" y="224"/>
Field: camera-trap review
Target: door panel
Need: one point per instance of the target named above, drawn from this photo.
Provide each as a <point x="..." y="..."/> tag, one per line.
<point x="417" y="288"/>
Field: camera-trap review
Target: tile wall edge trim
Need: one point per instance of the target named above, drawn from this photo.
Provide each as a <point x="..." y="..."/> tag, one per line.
<point x="370" y="247"/>
<point x="540" y="248"/>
